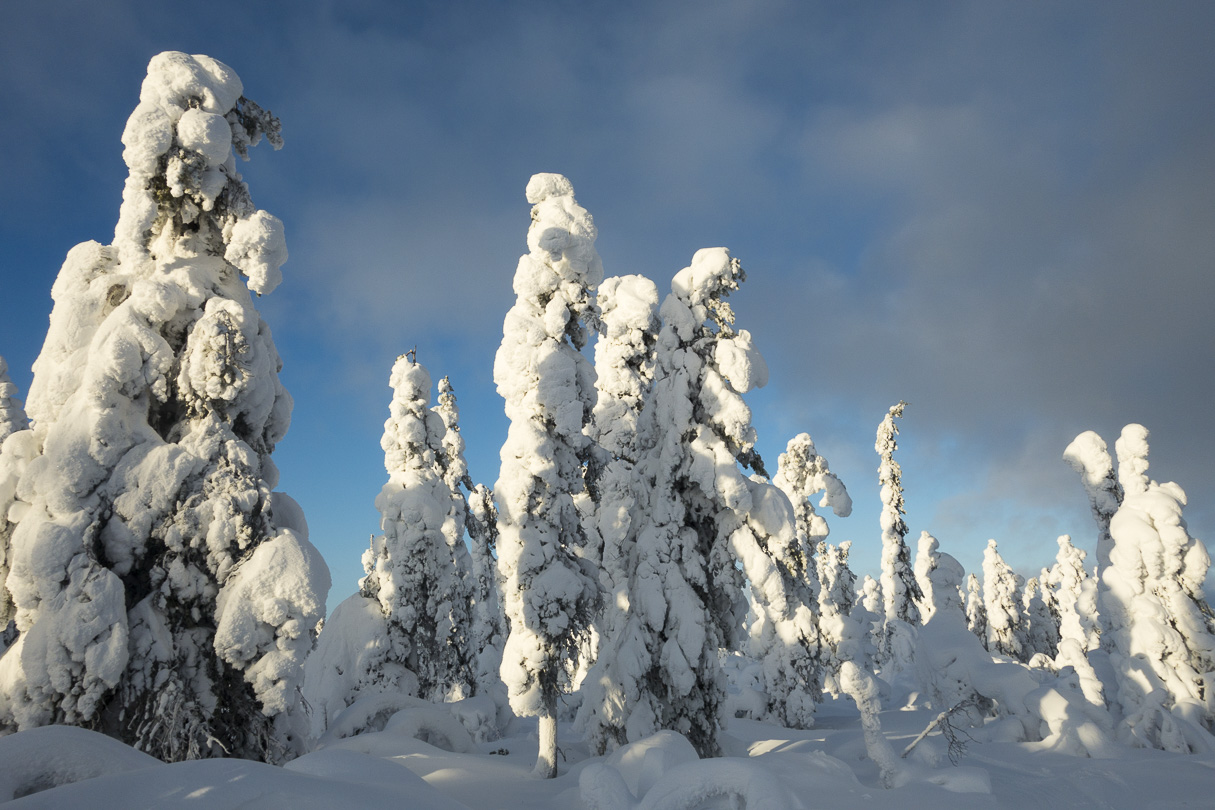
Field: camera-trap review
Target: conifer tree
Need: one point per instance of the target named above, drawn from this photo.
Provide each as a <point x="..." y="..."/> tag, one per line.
<point x="926" y="559"/>
<point x="1040" y="623"/>
<point x="900" y="591"/>
<point x="165" y="595"/>
<point x="976" y="611"/>
<point x="418" y="570"/>
<point x="13" y="459"/>
<point x="1090" y="458"/>
<point x="624" y="366"/>
<point x="842" y="635"/>
<point x="1001" y="591"/>
<point x="550" y="595"/>
<point x="1161" y="633"/>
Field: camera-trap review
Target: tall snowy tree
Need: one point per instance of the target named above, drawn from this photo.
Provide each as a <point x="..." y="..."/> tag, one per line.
<point x="927" y="557"/>
<point x="1090" y="458"/>
<point x="1001" y="600"/>
<point x="419" y="569"/>
<point x="900" y="591"/>
<point x="1161" y="633"/>
<point x="624" y="365"/>
<point x="165" y="595"/>
<point x="549" y="387"/>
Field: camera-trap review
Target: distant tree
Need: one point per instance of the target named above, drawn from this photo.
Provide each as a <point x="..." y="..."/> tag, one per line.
<point x="1001" y="599"/>
<point x="165" y="595"/>
<point x="550" y="594"/>
<point x="1075" y="595"/>
<point x="976" y="611"/>
<point x="900" y="591"/>
<point x="1041" y="625"/>
<point x="926" y="560"/>
<point x="787" y="639"/>
<point x="418" y="570"/>
<point x="1160" y="630"/>
<point x="843" y="636"/>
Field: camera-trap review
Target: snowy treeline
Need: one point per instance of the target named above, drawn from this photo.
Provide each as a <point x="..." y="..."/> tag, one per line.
<point x="635" y="568"/>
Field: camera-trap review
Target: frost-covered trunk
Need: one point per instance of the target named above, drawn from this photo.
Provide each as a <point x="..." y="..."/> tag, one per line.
<point x="165" y="594"/>
<point x="550" y="595"/>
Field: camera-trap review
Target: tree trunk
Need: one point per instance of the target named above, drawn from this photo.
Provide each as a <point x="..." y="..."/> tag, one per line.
<point x="546" y="758"/>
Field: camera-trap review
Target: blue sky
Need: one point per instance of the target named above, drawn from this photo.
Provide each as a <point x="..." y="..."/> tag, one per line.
<point x="1003" y="213"/>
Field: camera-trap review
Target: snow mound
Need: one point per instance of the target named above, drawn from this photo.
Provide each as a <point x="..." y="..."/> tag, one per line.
<point x="43" y="758"/>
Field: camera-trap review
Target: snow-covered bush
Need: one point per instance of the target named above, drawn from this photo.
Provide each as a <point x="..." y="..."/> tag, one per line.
<point x="164" y="593"/>
<point x="550" y="595"/>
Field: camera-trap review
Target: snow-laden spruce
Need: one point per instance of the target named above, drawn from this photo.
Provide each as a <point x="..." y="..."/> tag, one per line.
<point x="164" y="593"/>
<point x="1075" y="595"/>
<point x="842" y="636"/>
<point x="549" y="386"/>
<point x="1040" y="623"/>
<point x="1159" y="628"/>
<point x="418" y="570"/>
<point x="1002" y="603"/>
<point x="13" y="459"/>
<point x="900" y="591"/>
<point x="1089" y="456"/>
<point x="624" y="367"/>
<point x="786" y="640"/>
<point x="976" y="610"/>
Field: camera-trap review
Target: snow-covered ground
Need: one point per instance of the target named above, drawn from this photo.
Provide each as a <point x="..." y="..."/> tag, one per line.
<point x="766" y="767"/>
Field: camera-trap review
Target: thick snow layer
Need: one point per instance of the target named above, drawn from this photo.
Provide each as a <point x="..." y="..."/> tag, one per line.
<point x="765" y="766"/>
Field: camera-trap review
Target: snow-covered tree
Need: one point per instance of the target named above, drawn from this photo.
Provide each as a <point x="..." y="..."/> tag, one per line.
<point x="1160" y="630"/>
<point x="13" y="459"/>
<point x="976" y="611"/>
<point x="926" y="559"/>
<point x="164" y="593"/>
<point x="12" y="411"/>
<point x="550" y="595"/>
<point x="419" y="569"/>
<point x="624" y="365"/>
<point x="1040" y="623"/>
<point x="1090" y="458"/>
<point x="900" y="591"/>
<point x="1074" y="594"/>
<point x="707" y="526"/>
<point x="1001" y="600"/>
<point x="842" y="636"/>
<point x="489" y="625"/>
<point x="787" y="641"/>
